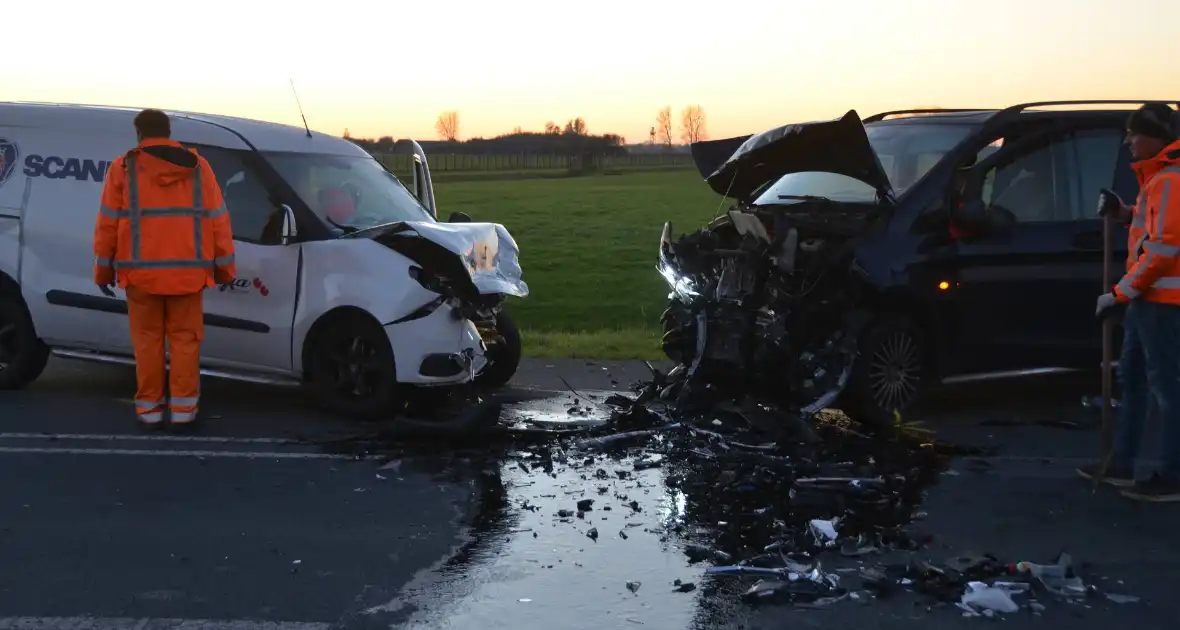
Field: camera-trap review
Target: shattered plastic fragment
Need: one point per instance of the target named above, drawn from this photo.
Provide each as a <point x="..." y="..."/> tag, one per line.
<point x="824" y="531"/>
<point x="980" y="597"/>
<point x="1122" y="599"/>
<point x="634" y="586"/>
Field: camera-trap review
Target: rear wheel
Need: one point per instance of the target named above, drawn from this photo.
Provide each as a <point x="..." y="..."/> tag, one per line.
<point x="503" y="355"/>
<point x="888" y="376"/>
<point x="22" y="355"/>
<point x="352" y="368"/>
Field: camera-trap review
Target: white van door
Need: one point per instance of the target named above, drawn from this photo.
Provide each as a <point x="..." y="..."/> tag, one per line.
<point x="248" y="323"/>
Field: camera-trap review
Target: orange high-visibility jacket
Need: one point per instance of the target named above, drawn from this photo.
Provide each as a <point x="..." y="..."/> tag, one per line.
<point x="1155" y="273"/>
<point x="163" y="226"/>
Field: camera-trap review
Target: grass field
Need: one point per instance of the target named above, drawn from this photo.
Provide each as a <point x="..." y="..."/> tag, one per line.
<point x="588" y="250"/>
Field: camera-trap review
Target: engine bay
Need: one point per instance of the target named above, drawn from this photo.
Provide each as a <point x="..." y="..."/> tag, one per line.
<point x="764" y="302"/>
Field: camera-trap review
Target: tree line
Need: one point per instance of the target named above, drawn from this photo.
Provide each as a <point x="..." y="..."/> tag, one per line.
<point x="573" y="138"/>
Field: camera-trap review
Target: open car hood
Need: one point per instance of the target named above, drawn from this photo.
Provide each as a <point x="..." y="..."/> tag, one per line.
<point x="736" y="167"/>
<point x="487" y="250"/>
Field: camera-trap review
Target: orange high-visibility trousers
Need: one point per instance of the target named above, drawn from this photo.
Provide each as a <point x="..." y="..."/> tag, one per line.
<point x="178" y="319"/>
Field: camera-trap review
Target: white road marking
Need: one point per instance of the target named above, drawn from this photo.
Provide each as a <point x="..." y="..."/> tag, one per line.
<point x="148" y="623"/>
<point x="143" y="438"/>
<point x="166" y="453"/>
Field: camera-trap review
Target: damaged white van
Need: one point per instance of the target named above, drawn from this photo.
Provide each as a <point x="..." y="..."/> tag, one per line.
<point x="364" y="301"/>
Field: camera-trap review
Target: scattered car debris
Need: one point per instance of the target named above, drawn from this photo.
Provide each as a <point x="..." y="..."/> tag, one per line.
<point x="770" y="508"/>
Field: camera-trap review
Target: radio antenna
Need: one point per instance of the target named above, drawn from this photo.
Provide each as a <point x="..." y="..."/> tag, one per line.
<point x="300" y="106"/>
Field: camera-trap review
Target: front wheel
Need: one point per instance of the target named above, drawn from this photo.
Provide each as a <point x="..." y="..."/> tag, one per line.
<point x="888" y="376"/>
<point x="352" y="369"/>
<point x="503" y="355"/>
<point x="22" y="355"/>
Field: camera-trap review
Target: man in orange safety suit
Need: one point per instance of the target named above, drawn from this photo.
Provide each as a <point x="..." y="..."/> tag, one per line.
<point x="163" y="233"/>
<point x="1148" y="367"/>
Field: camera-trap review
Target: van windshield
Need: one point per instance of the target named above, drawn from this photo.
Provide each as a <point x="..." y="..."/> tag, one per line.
<point x="348" y="193"/>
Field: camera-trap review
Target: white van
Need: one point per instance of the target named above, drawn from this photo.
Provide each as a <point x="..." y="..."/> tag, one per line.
<point x="364" y="307"/>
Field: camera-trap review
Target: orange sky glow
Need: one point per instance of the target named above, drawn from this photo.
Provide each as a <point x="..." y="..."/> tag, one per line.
<point x="382" y="68"/>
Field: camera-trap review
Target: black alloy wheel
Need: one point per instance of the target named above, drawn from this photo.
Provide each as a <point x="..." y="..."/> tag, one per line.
<point x="895" y="371"/>
<point x="356" y="369"/>
<point x="7" y="343"/>
<point x="353" y="369"/>
<point x="22" y="355"/>
<point x="888" y="376"/>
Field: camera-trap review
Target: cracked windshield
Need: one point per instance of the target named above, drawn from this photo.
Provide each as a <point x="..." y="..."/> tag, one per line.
<point x="687" y="334"/>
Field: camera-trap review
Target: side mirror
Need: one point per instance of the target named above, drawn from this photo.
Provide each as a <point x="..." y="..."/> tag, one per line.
<point x="459" y="217"/>
<point x="288" y="232"/>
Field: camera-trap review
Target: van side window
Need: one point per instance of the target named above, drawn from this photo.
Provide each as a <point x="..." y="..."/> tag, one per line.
<point x="246" y="196"/>
<point x="1029" y="185"/>
<point x="1098" y="153"/>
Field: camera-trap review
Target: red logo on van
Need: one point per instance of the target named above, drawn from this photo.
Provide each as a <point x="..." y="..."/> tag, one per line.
<point x="261" y="287"/>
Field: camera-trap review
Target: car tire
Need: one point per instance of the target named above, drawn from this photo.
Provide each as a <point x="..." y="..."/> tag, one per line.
<point x="22" y="354"/>
<point x="888" y="376"/>
<point x="504" y="356"/>
<point x="352" y="369"/>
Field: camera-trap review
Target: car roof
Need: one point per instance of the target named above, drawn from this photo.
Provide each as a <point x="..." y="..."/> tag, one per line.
<point x="982" y="116"/>
<point x="262" y="135"/>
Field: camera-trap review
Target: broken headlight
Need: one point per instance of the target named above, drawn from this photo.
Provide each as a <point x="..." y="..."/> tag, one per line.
<point x="432" y="281"/>
<point x="682" y="286"/>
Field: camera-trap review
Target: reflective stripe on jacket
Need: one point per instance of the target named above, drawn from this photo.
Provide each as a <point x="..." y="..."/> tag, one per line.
<point x="162" y="225"/>
<point x="1154" y="274"/>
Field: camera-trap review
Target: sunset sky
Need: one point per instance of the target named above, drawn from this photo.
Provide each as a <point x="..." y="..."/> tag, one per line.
<point x="388" y="68"/>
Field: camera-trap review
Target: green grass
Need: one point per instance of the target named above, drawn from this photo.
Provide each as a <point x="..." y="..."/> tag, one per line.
<point x="588" y="250"/>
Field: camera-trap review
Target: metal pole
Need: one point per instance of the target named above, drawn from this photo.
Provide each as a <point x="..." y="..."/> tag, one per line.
<point x="1107" y="352"/>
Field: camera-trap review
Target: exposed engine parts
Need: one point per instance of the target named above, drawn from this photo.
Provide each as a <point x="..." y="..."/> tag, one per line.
<point x="761" y="304"/>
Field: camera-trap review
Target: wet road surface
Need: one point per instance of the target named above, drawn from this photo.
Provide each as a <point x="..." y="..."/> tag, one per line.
<point x="268" y="516"/>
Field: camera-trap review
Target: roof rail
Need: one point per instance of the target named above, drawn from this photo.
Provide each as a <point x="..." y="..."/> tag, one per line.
<point x="1015" y="110"/>
<point x="883" y="115"/>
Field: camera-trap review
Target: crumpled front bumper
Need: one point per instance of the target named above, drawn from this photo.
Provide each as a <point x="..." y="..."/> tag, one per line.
<point x="442" y="348"/>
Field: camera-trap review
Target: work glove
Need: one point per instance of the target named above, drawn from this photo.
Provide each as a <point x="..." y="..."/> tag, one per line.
<point x="104" y="278"/>
<point x="1111" y="205"/>
<point x="1106" y="302"/>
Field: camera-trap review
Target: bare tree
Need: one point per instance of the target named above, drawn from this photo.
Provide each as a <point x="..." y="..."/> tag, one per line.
<point x="552" y="128"/>
<point x="447" y="126"/>
<point x="692" y="124"/>
<point x="664" y="127"/>
<point x="517" y="130"/>
<point x="575" y="126"/>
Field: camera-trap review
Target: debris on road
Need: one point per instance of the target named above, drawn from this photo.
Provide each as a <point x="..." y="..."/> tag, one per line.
<point x="774" y="513"/>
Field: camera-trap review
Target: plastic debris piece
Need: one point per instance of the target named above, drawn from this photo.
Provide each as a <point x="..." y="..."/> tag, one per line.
<point x="592" y="534"/>
<point x="634" y="586"/>
<point x="1122" y="599"/>
<point x="823" y="531"/>
<point x="980" y="597"/>
<point x="685" y="587"/>
<point x="585" y="505"/>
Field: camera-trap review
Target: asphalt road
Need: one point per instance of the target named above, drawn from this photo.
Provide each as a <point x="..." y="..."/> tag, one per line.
<point x="268" y="520"/>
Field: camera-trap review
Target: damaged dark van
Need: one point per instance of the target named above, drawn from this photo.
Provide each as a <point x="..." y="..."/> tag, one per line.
<point x="864" y="261"/>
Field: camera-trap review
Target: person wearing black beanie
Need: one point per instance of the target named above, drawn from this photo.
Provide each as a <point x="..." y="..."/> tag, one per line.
<point x="1148" y="367"/>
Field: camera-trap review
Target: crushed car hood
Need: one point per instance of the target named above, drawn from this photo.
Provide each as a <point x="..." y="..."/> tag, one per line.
<point x="736" y="167"/>
<point x="488" y="251"/>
